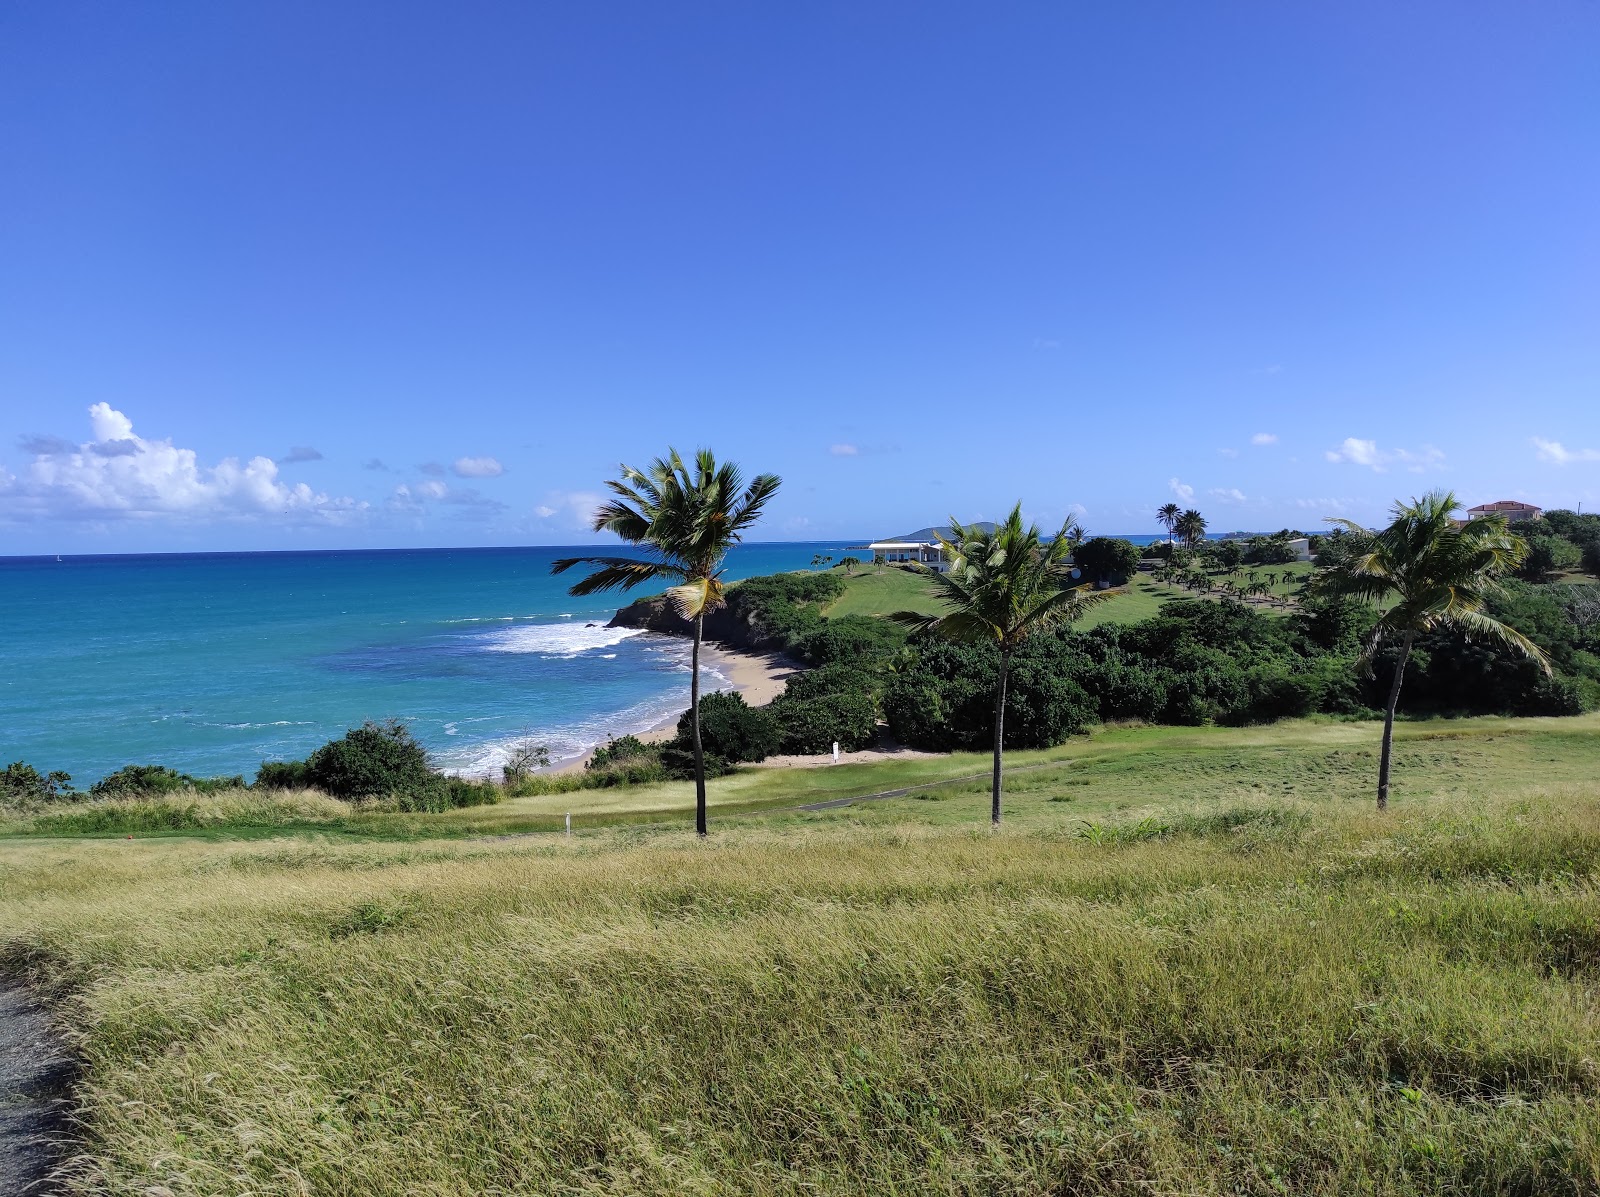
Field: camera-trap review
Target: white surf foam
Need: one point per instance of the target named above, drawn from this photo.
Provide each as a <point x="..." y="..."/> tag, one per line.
<point x="556" y="639"/>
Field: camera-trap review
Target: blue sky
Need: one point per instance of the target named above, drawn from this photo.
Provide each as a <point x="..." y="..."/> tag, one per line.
<point x="288" y="274"/>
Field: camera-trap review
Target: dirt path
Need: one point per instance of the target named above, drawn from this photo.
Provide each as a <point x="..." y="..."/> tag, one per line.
<point x="35" y="1077"/>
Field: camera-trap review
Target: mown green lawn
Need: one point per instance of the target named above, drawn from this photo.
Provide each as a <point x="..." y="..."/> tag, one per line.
<point x="1194" y="961"/>
<point x="881" y="590"/>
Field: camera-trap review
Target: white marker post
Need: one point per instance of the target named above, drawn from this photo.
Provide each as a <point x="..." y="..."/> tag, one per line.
<point x="569" y="823"/>
<point x="836" y="752"/>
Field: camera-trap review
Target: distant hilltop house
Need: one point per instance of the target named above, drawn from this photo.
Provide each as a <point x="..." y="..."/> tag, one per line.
<point x="1300" y="546"/>
<point x="921" y="547"/>
<point x="1514" y="512"/>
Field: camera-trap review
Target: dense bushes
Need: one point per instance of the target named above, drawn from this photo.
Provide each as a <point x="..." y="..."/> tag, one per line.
<point x="858" y="640"/>
<point x="783" y="609"/>
<point x="814" y="725"/>
<point x="22" y="787"/>
<point x="1107" y="559"/>
<point x="730" y="729"/>
<point x="369" y="761"/>
<point x="148" y="780"/>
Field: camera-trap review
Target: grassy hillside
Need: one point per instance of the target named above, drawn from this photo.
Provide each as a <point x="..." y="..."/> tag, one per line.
<point x="879" y="590"/>
<point x="1195" y="962"/>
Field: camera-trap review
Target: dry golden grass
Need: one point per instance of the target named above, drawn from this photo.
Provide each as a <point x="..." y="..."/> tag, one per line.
<point x="1258" y="992"/>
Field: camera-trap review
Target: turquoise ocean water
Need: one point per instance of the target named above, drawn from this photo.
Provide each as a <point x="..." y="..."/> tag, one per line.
<point x="212" y="663"/>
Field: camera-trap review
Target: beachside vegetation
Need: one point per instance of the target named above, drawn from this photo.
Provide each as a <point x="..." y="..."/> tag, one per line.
<point x="689" y="518"/>
<point x="1193" y="961"/>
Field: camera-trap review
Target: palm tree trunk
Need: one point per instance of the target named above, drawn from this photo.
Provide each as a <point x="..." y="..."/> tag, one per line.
<point x="1388" y="722"/>
<point x="999" y="736"/>
<point x="694" y="718"/>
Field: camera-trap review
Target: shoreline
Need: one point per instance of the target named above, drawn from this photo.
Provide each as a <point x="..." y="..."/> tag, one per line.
<point x="760" y="677"/>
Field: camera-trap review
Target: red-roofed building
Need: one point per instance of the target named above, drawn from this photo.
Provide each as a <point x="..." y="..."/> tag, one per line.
<point x="1514" y="512"/>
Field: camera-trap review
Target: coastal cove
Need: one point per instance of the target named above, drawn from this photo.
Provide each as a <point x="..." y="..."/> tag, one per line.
<point x="213" y="663"/>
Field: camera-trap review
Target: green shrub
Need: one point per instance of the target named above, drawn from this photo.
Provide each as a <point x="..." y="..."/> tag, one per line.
<point x="836" y="678"/>
<point x="1107" y="559"/>
<point x="375" y="760"/>
<point x="22" y="786"/>
<point x="814" y="725"/>
<point x="858" y="640"/>
<point x="140" y="780"/>
<point x="619" y="748"/>
<point x="282" y="775"/>
<point x="730" y="729"/>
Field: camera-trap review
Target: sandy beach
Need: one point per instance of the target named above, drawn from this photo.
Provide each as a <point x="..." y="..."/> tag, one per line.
<point x="760" y="677"/>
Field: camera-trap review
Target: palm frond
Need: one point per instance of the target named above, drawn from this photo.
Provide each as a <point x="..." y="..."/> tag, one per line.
<point x="616" y="573"/>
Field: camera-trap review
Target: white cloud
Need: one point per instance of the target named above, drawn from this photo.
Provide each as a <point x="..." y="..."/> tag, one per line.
<point x="843" y="450"/>
<point x="119" y="474"/>
<point x="1228" y="452"/>
<point x="431" y="490"/>
<point x="1264" y="438"/>
<point x="1230" y="494"/>
<point x="477" y="467"/>
<point x="302" y="453"/>
<point x="1354" y="451"/>
<point x="1558" y="454"/>
<point x="1182" y="490"/>
<point x="569" y="509"/>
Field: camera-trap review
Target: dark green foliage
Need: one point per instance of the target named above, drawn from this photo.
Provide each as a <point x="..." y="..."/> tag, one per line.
<point x="1107" y="559"/>
<point x="146" y="780"/>
<point x="282" y="775"/>
<point x="835" y="679"/>
<point x="1591" y="558"/>
<point x="1548" y="555"/>
<point x="373" y="761"/>
<point x="858" y="640"/>
<point x="945" y="700"/>
<point x="814" y="725"/>
<point x="23" y="785"/>
<point x="619" y="748"/>
<point x="730" y="729"/>
<point x="627" y="760"/>
<point x="1451" y="674"/>
<point x="783" y="609"/>
<point x="1228" y="554"/>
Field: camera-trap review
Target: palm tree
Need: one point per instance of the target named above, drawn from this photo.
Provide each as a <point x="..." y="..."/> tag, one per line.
<point x="1167" y="516"/>
<point x="1003" y="585"/>
<point x="1437" y="575"/>
<point x="690" y="518"/>
<point x="1191" y="525"/>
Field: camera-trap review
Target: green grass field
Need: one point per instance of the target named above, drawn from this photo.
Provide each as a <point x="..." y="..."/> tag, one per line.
<point x="1194" y="961"/>
<point x="882" y="589"/>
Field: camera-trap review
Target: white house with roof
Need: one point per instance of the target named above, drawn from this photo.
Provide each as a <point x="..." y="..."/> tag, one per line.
<point x="909" y="552"/>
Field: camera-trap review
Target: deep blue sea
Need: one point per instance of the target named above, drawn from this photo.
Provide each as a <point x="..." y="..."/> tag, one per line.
<point x="212" y="663"/>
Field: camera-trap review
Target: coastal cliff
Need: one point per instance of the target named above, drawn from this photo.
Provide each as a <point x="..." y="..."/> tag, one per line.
<point x="728" y="627"/>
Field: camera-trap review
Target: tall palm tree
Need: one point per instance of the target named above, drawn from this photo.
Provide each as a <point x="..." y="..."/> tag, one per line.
<point x="1167" y="516"/>
<point x="1002" y="585"/>
<point x="1437" y="574"/>
<point x="690" y="518"/>
<point x="1191" y="525"/>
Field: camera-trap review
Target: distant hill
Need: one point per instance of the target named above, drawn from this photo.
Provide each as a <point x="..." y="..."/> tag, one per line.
<point x="926" y="535"/>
